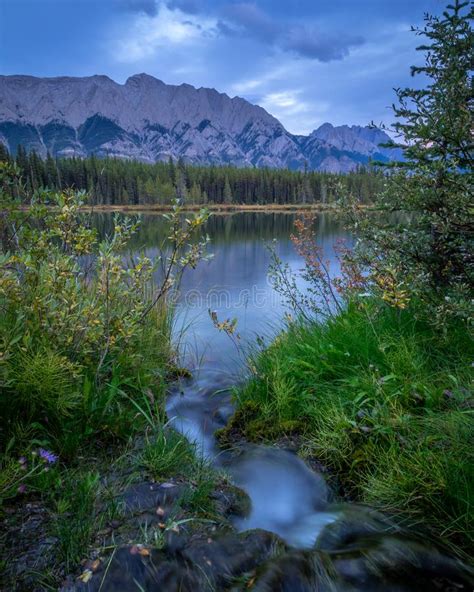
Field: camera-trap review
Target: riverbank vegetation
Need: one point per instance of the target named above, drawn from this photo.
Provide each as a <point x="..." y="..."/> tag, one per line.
<point x="384" y="401"/>
<point x="85" y="359"/>
<point x="114" y="182"/>
<point x="375" y="373"/>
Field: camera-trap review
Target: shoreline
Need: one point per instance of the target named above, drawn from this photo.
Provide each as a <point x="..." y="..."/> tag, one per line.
<point x="219" y="208"/>
<point x="214" y="208"/>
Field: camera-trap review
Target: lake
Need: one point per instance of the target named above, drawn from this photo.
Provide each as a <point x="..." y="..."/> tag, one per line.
<point x="234" y="282"/>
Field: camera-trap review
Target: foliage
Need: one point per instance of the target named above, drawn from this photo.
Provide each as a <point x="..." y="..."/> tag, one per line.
<point x="324" y="291"/>
<point x="382" y="400"/>
<point x="427" y="249"/>
<point x="81" y="332"/>
<point x="85" y="349"/>
<point x="30" y="472"/>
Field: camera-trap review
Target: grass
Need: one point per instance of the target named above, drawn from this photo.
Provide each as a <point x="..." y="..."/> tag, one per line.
<point x="74" y="515"/>
<point x="165" y="453"/>
<point x="85" y="359"/>
<point x="384" y="401"/>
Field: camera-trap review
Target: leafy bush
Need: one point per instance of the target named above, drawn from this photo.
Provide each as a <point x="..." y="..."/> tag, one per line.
<point x="82" y="334"/>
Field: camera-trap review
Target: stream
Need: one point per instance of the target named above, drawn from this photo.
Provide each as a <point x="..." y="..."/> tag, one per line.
<point x="288" y="498"/>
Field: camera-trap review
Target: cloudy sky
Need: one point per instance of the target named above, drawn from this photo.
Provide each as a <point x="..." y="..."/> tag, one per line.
<point x="305" y="61"/>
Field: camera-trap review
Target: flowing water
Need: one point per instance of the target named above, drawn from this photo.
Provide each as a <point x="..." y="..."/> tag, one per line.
<point x="287" y="497"/>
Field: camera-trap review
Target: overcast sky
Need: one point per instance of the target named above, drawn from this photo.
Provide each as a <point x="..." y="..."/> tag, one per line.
<point x="305" y="61"/>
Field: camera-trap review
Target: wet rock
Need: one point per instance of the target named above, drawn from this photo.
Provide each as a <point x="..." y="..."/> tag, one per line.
<point x="232" y="501"/>
<point x="297" y="572"/>
<point x="27" y="546"/>
<point x="147" y="496"/>
<point x="396" y="563"/>
<point x="204" y="564"/>
<point x="388" y="564"/>
<point x="353" y="523"/>
<point x="231" y="556"/>
<point x="128" y="572"/>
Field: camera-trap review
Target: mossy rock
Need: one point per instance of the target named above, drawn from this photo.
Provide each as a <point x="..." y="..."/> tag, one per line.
<point x="248" y="424"/>
<point x="175" y="372"/>
<point x="267" y="429"/>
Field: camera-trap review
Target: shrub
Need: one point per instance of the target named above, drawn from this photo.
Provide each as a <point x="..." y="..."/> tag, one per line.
<point x="81" y="333"/>
<point x="426" y="250"/>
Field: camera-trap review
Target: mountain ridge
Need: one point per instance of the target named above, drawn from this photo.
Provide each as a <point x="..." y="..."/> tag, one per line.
<point x="146" y="119"/>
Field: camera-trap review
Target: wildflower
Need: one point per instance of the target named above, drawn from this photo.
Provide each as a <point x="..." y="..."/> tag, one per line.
<point x="22" y="460"/>
<point x="48" y="456"/>
<point x="21" y="488"/>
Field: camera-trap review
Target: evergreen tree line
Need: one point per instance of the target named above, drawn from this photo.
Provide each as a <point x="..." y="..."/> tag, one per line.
<point x="113" y="181"/>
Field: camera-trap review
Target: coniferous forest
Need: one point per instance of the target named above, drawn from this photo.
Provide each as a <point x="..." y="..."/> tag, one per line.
<point x="113" y="181"/>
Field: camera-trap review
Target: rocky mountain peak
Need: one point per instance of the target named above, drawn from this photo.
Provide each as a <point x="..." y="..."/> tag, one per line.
<point x="149" y="120"/>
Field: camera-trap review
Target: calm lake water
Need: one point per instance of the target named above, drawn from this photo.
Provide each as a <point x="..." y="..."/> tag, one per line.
<point x="234" y="282"/>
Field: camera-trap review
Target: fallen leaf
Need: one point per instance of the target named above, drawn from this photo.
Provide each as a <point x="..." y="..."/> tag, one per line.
<point x="94" y="566"/>
<point x="86" y="576"/>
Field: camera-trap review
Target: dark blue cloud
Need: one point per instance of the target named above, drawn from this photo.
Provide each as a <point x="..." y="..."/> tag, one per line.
<point x="311" y="43"/>
<point x="249" y="19"/>
<point x="305" y="61"/>
<point x="253" y="20"/>
<point x="146" y="6"/>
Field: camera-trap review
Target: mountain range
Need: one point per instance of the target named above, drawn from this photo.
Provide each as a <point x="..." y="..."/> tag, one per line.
<point x="149" y="120"/>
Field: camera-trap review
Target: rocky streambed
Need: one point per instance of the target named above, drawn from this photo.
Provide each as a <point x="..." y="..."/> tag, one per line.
<point x="277" y="526"/>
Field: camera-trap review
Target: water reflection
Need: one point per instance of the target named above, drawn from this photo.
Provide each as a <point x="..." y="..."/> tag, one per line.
<point x="234" y="282"/>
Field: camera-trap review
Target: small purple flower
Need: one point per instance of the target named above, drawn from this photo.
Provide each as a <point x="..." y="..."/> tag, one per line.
<point x="48" y="456"/>
<point x="21" y="488"/>
<point x="22" y="460"/>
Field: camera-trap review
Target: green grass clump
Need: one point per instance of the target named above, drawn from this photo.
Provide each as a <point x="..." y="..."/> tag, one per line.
<point x="166" y="452"/>
<point x="74" y="518"/>
<point x="384" y="400"/>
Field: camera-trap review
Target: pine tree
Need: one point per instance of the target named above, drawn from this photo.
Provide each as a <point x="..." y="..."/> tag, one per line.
<point x="4" y="154"/>
<point x="432" y="250"/>
<point x="227" y="194"/>
<point x="22" y="159"/>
